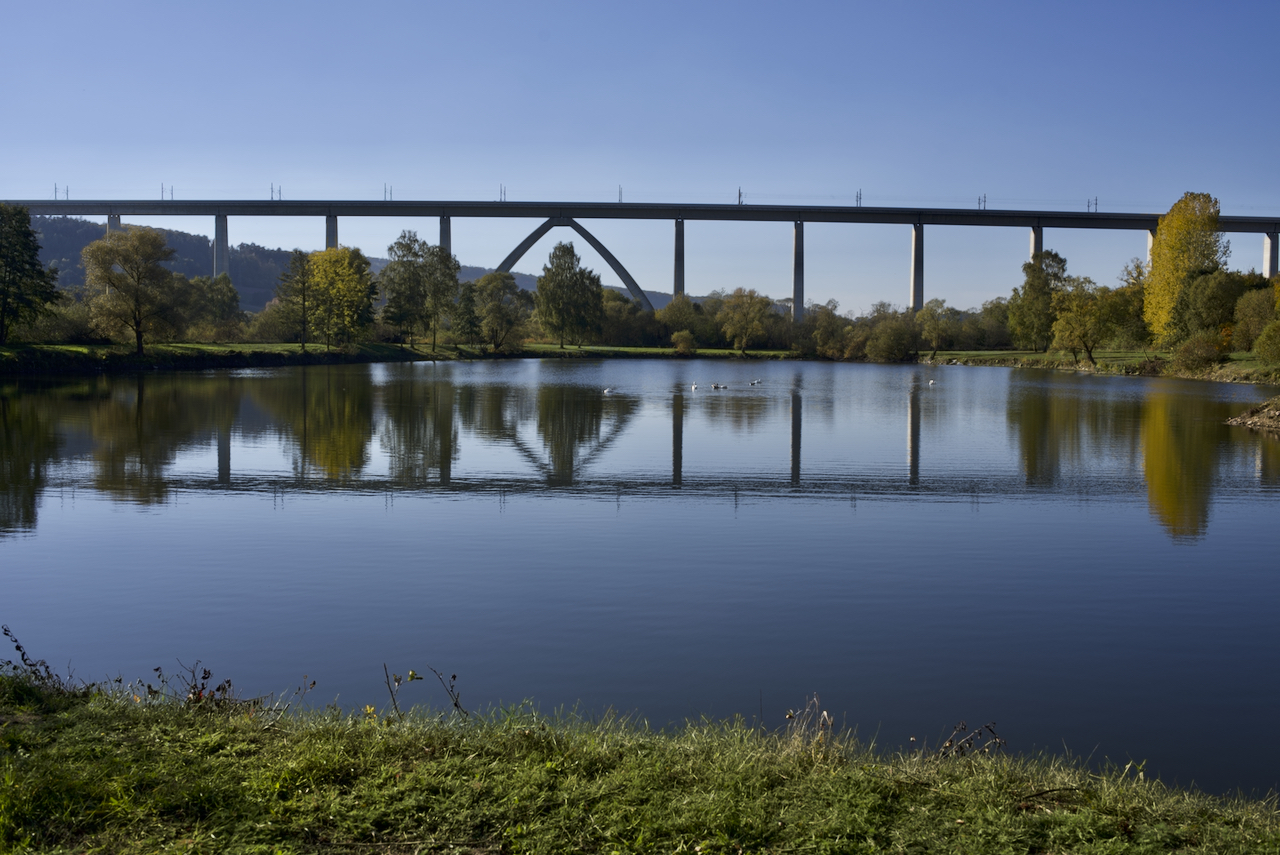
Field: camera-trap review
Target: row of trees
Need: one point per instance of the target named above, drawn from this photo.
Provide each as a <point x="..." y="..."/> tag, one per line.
<point x="1184" y="298"/>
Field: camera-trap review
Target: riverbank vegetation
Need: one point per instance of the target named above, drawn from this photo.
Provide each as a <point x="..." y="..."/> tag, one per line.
<point x="1184" y="313"/>
<point x="183" y="765"/>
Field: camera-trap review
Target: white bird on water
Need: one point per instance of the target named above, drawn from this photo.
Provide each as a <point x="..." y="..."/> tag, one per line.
<point x="608" y="391"/>
<point x="693" y="388"/>
<point x="930" y="382"/>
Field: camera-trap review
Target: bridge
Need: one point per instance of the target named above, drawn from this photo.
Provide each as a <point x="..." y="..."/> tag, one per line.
<point x="568" y="214"/>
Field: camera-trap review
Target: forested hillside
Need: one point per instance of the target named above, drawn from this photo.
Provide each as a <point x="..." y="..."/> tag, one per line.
<point x="255" y="270"/>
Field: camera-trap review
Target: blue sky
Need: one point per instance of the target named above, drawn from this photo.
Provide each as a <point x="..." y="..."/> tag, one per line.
<point x="1036" y="105"/>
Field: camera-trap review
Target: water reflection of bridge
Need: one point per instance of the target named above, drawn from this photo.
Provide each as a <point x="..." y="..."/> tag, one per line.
<point x="124" y="438"/>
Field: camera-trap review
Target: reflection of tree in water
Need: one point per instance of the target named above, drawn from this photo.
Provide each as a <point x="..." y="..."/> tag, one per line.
<point x="326" y="413"/>
<point x="139" y="431"/>
<point x="1060" y="426"/>
<point x="740" y="412"/>
<point x="494" y="411"/>
<point x="419" y="432"/>
<point x="27" y="446"/>
<point x="1180" y="445"/>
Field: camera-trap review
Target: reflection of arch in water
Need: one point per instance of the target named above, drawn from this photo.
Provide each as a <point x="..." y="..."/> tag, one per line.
<point x="525" y="245"/>
<point x="622" y="411"/>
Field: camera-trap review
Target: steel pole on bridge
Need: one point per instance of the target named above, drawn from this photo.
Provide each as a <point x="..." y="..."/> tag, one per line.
<point x="446" y="234"/>
<point x="1037" y="241"/>
<point x="330" y="231"/>
<point x="1269" y="267"/>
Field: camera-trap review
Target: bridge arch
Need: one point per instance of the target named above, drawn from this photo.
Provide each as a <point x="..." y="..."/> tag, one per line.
<point x="534" y="236"/>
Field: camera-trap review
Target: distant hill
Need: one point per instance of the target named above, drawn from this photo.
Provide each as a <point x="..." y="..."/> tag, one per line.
<point x="255" y="270"/>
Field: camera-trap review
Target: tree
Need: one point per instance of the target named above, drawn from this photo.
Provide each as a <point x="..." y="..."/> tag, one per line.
<point x="938" y="324"/>
<point x="27" y="287"/>
<point x="1254" y="311"/>
<point x="570" y="298"/>
<point x="1083" y="317"/>
<point x="440" y="276"/>
<point x="1187" y="244"/>
<point x="1208" y="302"/>
<point x="134" y="289"/>
<point x="1126" y="306"/>
<point x="404" y="283"/>
<point x="296" y="292"/>
<point x="344" y="293"/>
<point x="501" y="307"/>
<point x="466" y="322"/>
<point x="743" y="315"/>
<point x="209" y="306"/>
<point x="1031" y="314"/>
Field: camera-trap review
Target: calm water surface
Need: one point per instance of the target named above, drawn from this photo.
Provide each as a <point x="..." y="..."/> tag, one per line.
<point x="1090" y="562"/>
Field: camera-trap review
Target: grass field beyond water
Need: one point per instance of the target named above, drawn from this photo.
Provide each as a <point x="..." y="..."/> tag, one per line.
<point x="120" y="768"/>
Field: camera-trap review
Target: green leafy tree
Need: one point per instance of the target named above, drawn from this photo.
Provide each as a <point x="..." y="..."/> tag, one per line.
<point x="440" y="276"/>
<point x="743" y="315"/>
<point x="1187" y="244"/>
<point x="466" y="320"/>
<point x="404" y="284"/>
<point x="1254" y="311"/>
<point x="1126" y="307"/>
<point x="296" y="294"/>
<point x="939" y="324"/>
<point x="1031" y="313"/>
<point x="344" y="293"/>
<point x="27" y="288"/>
<point x="502" y="307"/>
<point x="895" y="338"/>
<point x="134" y="291"/>
<point x="570" y="298"/>
<point x="1083" y="317"/>
<point x="1208" y="302"/>
<point x="210" y="307"/>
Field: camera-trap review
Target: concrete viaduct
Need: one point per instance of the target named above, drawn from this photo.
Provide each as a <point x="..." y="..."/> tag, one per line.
<point x="568" y="213"/>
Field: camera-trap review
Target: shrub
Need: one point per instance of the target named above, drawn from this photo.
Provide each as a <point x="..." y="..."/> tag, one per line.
<point x="1267" y="346"/>
<point x="1254" y="311"/>
<point x="894" y="340"/>
<point x="684" y="343"/>
<point x="1199" y="352"/>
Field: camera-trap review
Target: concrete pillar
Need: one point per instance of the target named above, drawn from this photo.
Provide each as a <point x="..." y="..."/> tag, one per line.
<point x="446" y="234"/>
<point x="917" y="267"/>
<point x="221" y="249"/>
<point x="1151" y="240"/>
<point x="1269" y="255"/>
<point x="1037" y="240"/>
<point x="796" y="413"/>
<point x="797" y="276"/>
<point x="113" y="223"/>
<point x="677" y="285"/>
<point x="677" y="439"/>
<point x="330" y="231"/>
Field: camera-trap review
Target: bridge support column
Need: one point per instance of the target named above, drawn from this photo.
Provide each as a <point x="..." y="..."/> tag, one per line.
<point x="113" y="223"/>
<point x="446" y="234"/>
<point x="224" y="455"/>
<point x="330" y="231"/>
<point x="797" y="276"/>
<point x="1269" y="265"/>
<point x="1151" y="240"/>
<point x="677" y="285"/>
<point x="221" y="248"/>
<point x="917" y="267"/>
<point x="1037" y="240"/>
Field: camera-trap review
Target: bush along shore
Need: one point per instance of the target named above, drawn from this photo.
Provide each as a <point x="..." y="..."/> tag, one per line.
<point x="183" y="766"/>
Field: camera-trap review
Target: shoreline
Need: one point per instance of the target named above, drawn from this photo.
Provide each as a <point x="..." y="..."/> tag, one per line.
<point x="131" y="768"/>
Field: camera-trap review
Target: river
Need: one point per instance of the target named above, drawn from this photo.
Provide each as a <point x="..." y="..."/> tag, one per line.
<point x="1089" y="562"/>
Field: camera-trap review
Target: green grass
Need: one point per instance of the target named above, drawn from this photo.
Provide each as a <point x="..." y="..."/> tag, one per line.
<point x="111" y="771"/>
<point x="1238" y="368"/>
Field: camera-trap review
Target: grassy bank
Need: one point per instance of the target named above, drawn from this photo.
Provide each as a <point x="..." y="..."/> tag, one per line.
<point x="128" y="771"/>
<point x="1239" y="367"/>
<point x="94" y="359"/>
